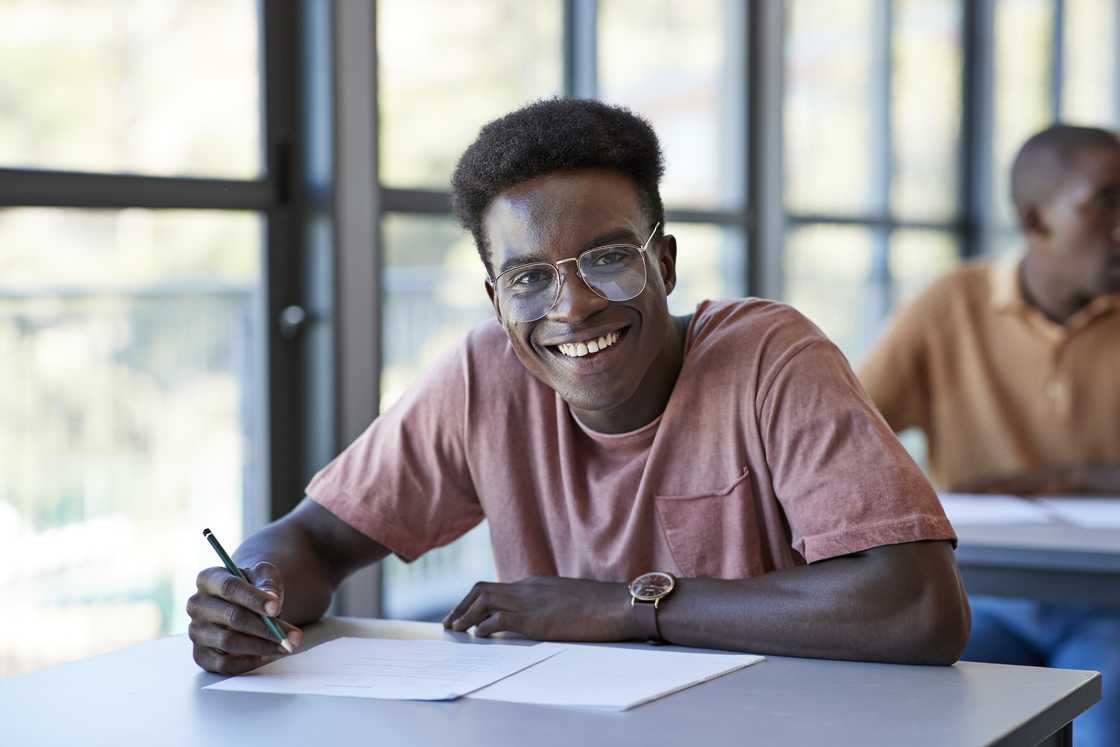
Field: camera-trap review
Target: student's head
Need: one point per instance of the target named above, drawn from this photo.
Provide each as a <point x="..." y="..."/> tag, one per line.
<point x="544" y="184"/>
<point x="1065" y="184"/>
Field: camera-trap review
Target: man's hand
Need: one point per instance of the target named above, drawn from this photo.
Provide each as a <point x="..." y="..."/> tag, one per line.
<point x="228" y="634"/>
<point x="547" y="608"/>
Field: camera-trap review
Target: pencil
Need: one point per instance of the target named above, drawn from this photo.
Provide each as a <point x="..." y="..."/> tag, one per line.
<point x="269" y="622"/>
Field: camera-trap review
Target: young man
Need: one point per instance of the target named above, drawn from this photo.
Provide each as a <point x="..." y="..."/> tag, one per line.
<point x="727" y="462"/>
<point x="1012" y="370"/>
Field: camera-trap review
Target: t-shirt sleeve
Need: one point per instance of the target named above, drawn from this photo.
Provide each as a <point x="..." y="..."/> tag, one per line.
<point x="845" y="482"/>
<point x="405" y="482"/>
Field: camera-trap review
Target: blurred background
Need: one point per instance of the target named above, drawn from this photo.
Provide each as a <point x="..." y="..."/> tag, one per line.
<point x="226" y="240"/>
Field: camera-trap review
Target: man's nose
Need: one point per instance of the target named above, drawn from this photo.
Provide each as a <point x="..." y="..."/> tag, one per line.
<point x="576" y="301"/>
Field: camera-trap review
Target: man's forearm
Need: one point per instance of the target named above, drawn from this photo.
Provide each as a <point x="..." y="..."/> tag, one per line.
<point x="900" y="603"/>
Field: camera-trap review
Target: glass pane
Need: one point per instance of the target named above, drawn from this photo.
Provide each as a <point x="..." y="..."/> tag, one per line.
<point x="828" y="106"/>
<point x="926" y="108"/>
<point x="828" y="279"/>
<point x="711" y="263"/>
<point x="130" y="418"/>
<point x="1022" y="88"/>
<point x="918" y="258"/>
<point x="169" y="87"/>
<point x="681" y="66"/>
<point x="447" y="68"/>
<point x="1090" y="93"/>
<point x="433" y="294"/>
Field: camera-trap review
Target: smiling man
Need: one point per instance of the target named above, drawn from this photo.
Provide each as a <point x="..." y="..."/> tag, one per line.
<point x="717" y="479"/>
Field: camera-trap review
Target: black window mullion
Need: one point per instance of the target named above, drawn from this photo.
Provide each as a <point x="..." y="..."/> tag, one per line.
<point x="282" y="259"/>
<point x="46" y="188"/>
<point x="882" y="74"/>
<point x="1057" y="58"/>
<point x="977" y="121"/>
<point x="581" y="48"/>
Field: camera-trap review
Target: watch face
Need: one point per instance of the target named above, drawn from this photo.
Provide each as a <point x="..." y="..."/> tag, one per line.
<point x="651" y="586"/>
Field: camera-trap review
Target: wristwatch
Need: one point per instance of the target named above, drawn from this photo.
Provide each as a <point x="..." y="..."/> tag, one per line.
<point x="646" y="593"/>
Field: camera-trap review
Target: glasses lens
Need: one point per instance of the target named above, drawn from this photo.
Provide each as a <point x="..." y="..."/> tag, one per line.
<point x="527" y="293"/>
<point x="617" y="273"/>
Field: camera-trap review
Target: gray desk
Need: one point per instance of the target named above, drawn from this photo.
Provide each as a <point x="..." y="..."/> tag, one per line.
<point x="150" y="694"/>
<point x="1048" y="562"/>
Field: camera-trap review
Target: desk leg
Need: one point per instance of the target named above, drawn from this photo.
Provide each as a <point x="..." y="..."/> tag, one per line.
<point x="1061" y="738"/>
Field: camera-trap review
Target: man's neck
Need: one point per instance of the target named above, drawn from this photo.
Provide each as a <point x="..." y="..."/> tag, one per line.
<point x="653" y="393"/>
<point x="1058" y="304"/>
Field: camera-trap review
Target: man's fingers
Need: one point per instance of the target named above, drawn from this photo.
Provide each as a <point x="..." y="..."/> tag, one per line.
<point x="208" y="609"/>
<point x="498" y="622"/>
<point x="232" y="642"/>
<point x="218" y="662"/>
<point x="464" y="604"/>
<point x="219" y="582"/>
<point x="484" y="605"/>
<point x="266" y="577"/>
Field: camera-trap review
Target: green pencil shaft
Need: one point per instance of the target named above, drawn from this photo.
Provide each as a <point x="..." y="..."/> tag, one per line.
<point x="269" y="622"/>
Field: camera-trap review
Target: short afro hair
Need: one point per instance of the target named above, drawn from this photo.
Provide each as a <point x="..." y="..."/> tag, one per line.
<point x="554" y="134"/>
<point x="1045" y="159"/>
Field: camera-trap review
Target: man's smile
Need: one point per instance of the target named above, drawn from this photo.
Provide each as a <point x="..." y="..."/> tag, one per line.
<point x="588" y="352"/>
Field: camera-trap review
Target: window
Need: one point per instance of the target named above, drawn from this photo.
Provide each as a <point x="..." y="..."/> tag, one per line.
<point x="873" y="135"/>
<point x="133" y="383"/>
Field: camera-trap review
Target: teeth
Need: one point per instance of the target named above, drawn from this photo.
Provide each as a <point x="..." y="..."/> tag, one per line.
<point x="580" y="349"/>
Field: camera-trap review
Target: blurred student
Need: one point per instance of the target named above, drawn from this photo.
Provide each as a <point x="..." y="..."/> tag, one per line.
<point x="1011" y="367"/>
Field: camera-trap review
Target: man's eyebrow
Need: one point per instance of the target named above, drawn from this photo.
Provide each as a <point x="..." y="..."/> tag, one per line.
<point x="522" y="259"/>
<point x="610" y="237"/>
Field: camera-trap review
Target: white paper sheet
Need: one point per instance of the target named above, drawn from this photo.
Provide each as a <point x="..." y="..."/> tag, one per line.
<point x="589" y="676"/>
<point x="965" y="508"/>
<point x="389" y="668"/>
<point x="1103" y="511"/>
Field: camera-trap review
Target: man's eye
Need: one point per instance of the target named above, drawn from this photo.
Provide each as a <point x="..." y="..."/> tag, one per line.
<point x="610" y="257"/>
<point x="529" y="279"/>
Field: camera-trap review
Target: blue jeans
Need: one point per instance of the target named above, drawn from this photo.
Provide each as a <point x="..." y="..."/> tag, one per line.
<point x="1021" y="631"/>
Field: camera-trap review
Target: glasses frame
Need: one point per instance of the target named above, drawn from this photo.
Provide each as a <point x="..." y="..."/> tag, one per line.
<point x="555" y="267"/>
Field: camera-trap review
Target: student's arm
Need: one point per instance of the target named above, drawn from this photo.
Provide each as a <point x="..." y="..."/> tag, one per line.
<point x="301" y="560"/>
<point x="895" y="372"/>
<point x="1085" y="479"/>
<point x="898" y="603"/>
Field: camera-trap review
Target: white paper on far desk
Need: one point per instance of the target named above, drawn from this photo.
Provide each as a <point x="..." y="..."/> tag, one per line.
<point x="590" y="676"/>
<point x="1089" y="511"/>
<point x="965" y="508"/>
<point x="389" y="668"/>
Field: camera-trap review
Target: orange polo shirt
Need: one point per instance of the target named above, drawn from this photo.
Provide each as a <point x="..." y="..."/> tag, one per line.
<point x="996" y="386"/>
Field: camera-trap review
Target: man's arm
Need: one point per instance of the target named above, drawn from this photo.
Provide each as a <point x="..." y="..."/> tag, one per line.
<point x="897" y="603"/>
<point x="294" y="566"/>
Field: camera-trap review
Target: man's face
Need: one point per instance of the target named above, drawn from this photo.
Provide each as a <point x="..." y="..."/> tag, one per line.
<point x="1082" y="225"/>
<point x="557" y="216"/>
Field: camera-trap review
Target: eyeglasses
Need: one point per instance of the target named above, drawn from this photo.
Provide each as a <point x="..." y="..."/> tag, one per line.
<point x="616" y="272"/>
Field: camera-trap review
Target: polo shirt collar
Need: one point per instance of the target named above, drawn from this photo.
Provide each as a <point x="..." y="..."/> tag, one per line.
<point x="1007" y="296"/>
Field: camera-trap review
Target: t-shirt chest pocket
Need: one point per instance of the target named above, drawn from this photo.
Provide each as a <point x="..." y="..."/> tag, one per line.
<point x="709" y="532"/>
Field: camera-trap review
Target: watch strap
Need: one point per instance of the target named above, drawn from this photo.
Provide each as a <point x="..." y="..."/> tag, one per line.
<point x="646" y="615"/>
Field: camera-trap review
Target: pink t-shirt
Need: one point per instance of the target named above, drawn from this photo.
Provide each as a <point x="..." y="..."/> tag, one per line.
<point x="768" y="455"/>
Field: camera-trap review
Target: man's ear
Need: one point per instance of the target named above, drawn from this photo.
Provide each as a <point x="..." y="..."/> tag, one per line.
<point x="1032" y="220"/>
<point x="493" y="299"/>
<point x="666" y="255"/>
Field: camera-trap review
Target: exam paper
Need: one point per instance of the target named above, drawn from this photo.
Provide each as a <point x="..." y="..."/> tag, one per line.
<point x="965" y="508"/>
<point x="1103" y="511"/>
<point x="605" y="677"/>
<point x="389" y="668"/>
